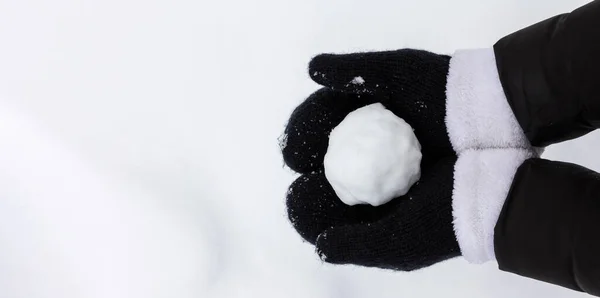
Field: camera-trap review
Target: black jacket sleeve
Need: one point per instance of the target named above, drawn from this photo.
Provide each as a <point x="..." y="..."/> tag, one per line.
<point x="549" y="227"/>
<point x="550" y="73"/>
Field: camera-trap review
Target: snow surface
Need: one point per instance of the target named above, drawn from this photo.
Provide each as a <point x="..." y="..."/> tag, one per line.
<point x="138" y="145"/>
<point x="373" y="157"/>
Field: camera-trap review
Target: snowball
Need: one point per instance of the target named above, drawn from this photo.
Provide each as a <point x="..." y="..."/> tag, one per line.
<point x="358" y="81"/>
<point x="373" y="157"/>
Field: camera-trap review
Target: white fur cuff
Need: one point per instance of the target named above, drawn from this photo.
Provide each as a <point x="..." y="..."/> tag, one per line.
<point x="482" y="180"/>
<point x="477" y="112"/>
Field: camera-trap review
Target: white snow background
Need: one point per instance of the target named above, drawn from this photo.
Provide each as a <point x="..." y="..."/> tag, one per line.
<point x="138" y="144"/>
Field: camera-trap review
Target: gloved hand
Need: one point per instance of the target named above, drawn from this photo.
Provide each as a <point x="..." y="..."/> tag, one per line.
<point x="410" y="232"/>
<point x="409" y="83"/>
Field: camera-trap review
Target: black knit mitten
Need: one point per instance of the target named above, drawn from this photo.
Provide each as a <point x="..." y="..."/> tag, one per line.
<point x="406" y="233"/>
<point x="410" y="83"/>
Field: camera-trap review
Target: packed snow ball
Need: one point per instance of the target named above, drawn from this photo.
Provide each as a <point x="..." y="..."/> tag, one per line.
<point x="373" y="157"/>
